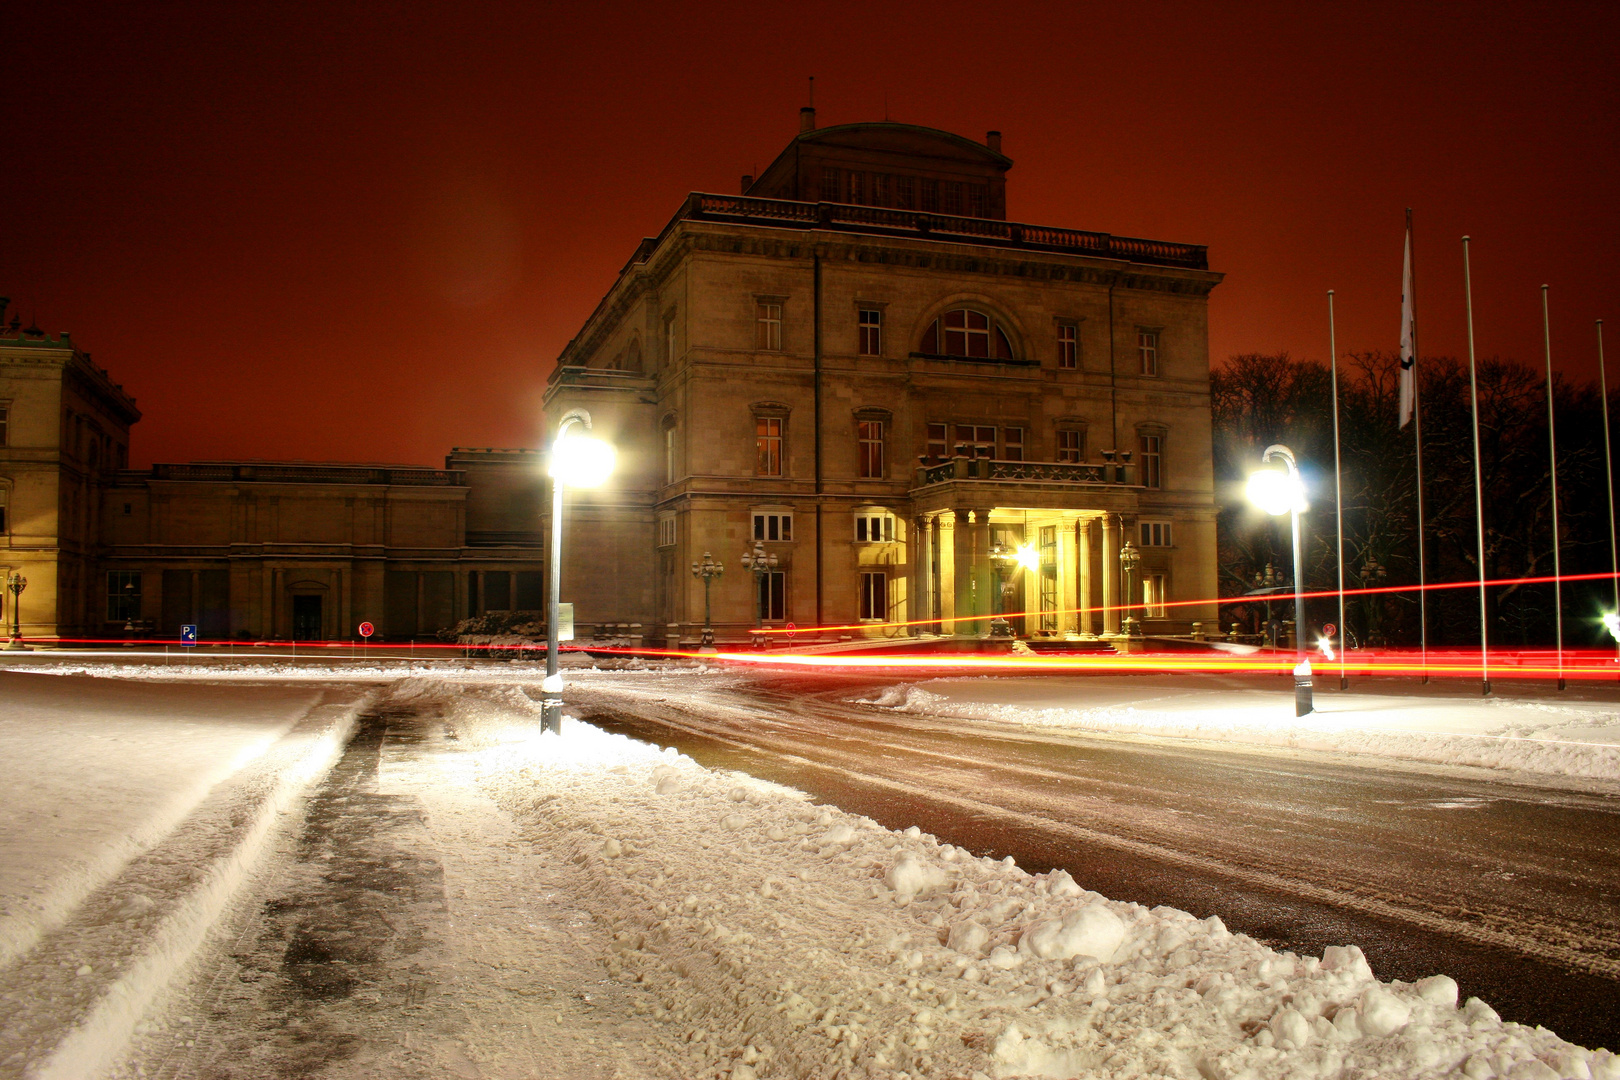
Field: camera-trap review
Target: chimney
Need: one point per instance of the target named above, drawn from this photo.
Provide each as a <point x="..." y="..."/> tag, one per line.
<point x="807" y="119"/>
<point x="747" y="182"/>
<point x="992" y="139"/>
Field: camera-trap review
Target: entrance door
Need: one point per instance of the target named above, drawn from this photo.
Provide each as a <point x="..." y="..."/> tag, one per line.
<point x="306" y="618"/>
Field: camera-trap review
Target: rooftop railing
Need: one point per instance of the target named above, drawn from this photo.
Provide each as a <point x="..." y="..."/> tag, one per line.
<point x="226" y="472"/>
<point x="877" y="219"/>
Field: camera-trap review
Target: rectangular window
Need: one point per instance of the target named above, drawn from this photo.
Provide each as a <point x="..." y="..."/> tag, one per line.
<point x="669" y="339"/>
<point x="1155" y="534"/>
<point x="5" y="417"/>
<point x="938" y="448"/>
<point x="831" y="183"/>
<point x="769" y="317"/>
<point x="768" y="445"/>
<point x="773" y="596"/>
<point x="1147" y="349"/>
<point x="874" y="596"/>
<point x="1071" y="445"/>
<point x="929" y="201"/>
<point x="880" y="189"/>
<point x="1152" y="450"/>
<point x="1068" y="356"/>
<point x="666" y="530"/>
<point x="905" y="192"/>
<point x="3" y="525"/>
<point x="1153" y="596"/>
<point x="975" y="441"/>
<point x="669" y="454"/>
<point x="871" y="449"/>
<point x="123" y="595"/>
<point x="976" y="200"/>
<point x="1012" y="444"/>
<point x="950" y="197"/>
<point x="871" y="326"/>
<point x="874" y="529"/>
<point x="773" y="527"/>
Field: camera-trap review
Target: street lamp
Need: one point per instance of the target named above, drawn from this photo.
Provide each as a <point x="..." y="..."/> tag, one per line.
<point x="1283" y="492"/>
<point x="1129" y="558"/>
<point x="580" y="461"/>
<point x="16" y="583"/>
<point x="707" y="570"/>
<point x="761" y="563"/>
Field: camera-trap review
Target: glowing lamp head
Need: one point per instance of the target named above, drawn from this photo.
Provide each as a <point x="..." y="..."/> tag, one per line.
<point x="1611" y="623"/>
<point x="1277" y="491"/>
<point x="1027" y="557"/>
<point x="582" y="461"/>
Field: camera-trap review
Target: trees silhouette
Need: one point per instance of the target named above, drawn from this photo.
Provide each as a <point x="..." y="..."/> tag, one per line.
<point x="1258" y="400"/>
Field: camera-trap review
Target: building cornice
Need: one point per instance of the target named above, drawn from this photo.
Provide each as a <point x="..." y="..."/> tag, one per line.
<point x="775" y="228"/>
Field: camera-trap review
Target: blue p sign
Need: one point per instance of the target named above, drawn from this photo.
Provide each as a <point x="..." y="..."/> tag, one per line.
<point x="188" y="635"/>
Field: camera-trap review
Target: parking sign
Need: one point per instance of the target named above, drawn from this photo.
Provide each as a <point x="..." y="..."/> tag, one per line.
<point x="188" y="635"/>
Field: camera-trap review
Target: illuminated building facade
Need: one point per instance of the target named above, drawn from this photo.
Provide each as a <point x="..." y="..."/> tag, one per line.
<point x="858" y="363"/>
<point x="861" y="364"/>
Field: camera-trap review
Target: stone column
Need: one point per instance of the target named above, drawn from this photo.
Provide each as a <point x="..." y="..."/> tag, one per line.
<point x="1088" y="620"/>
<point x="936" y="565"/>
<point x="962" y="571"/>
<point x="982" y="576"/>
<point x="922" y="592"/>
<point x="1110" y="582"/>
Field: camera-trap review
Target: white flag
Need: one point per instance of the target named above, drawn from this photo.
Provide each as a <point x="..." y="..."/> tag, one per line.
<point x="1408" y="357"/>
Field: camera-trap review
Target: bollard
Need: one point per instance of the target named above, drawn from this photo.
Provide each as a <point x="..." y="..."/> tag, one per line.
<point x="1302" y="688"/>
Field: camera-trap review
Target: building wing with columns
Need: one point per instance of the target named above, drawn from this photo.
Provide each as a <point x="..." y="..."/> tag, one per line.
<point x="861" y="365"/>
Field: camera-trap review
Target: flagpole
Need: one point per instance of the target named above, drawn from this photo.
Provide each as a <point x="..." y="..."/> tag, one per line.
<point x="1608" y="471"/>
<point x="1338" y="496"/>
<point x="1479" y="488"/>
<point x="1417" y="442"/>
<point x="1552" y="450"/>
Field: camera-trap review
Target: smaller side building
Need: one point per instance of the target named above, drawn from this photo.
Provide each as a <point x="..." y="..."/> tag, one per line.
<point x="64" y="428"/>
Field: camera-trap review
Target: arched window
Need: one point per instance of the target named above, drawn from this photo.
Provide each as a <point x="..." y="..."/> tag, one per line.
<point x="966" y="333"/>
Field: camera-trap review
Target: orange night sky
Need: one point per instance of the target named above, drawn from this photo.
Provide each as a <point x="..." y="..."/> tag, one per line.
<point x="364" y="232"/>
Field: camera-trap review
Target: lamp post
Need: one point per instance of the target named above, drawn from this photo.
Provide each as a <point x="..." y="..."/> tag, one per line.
<point x="1129" y="559"/>
<point x="1280" y="493"/>
<point x="16" y="583"/>
<point x="761" y="563"/>
<point x="581" y="461"/>
<point x="707" y="571"/>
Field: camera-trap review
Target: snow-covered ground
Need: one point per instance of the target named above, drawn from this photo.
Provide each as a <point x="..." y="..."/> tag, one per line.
<point x="774" y="937"/>
<point x="751" y="934"/>
<point x="130" y="813"/>
<point x="1531" y="729"/>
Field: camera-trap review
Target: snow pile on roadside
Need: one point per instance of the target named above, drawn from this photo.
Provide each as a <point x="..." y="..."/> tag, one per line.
<point x="774" y="938"/>
<point x="1522" y="736"/>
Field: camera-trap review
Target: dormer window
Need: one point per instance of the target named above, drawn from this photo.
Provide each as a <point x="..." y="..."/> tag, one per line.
<point x="967" y="333"/>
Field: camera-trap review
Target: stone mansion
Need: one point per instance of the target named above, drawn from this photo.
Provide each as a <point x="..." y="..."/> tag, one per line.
<point x="857" y="363"/>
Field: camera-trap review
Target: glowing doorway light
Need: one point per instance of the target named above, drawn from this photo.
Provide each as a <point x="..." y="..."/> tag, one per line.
<point x="1027" y="557"/>
<point x="1611" y="623"/>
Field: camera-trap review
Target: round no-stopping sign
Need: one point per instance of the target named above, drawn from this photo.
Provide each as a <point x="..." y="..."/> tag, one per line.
<point x="791" y="630"/>
<point x="1330" y="629"/>
<point x="366" y="629"/>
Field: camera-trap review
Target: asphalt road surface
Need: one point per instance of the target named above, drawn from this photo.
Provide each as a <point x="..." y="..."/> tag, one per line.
<point x="1513" y="890"/>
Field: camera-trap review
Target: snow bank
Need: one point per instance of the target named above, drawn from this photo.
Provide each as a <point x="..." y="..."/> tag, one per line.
<point x="770" y="937"/>
<point x="1566" y="739"/>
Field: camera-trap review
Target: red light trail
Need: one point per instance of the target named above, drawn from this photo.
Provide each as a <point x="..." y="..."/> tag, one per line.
<point x="1221" y="658"/>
